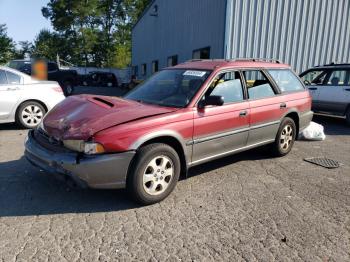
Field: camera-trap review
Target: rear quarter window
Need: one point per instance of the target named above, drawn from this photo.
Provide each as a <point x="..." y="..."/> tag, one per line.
<point x="3" y="79"/>
<point x="286" y="80"/>
<point x="13" y="78"/>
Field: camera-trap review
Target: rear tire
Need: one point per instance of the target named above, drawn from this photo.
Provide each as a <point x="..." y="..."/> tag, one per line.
<point x="68" y="88"/>
<point x="285" y="138"/>
<point x="347" y="119"/>
<point x="30" y="114"/>
<point x="153" y="174"/>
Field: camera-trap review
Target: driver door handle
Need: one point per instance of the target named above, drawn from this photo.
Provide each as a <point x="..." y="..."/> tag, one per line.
<point x="12" y="88"/>
<point x="283" y="105"/>
<point x="243" y="113"/>
<point x="312" y="88"/>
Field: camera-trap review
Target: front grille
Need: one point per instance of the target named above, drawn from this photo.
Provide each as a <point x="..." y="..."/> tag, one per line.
<point x="50" y="143"/>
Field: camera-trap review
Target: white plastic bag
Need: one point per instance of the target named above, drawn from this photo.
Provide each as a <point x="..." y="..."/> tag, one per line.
<point x="314" y="132"/>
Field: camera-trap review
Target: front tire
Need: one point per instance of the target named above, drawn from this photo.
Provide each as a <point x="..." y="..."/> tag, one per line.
<point x="30" y="114"/>
<point x="285" y="138"/>
<point x="154" y="173"/>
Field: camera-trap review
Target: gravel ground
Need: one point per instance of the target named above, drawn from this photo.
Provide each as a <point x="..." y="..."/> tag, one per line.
<point x="247" y="207"/>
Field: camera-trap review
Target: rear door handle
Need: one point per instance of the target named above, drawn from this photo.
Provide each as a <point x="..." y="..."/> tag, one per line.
<point x="243" y="113"/>
<point x="283" y="105"/>
<point x="347" y="89"/>
<point x="312" y="88"/>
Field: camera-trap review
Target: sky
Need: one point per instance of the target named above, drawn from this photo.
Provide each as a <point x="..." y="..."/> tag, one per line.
<point x="23" y="18"/>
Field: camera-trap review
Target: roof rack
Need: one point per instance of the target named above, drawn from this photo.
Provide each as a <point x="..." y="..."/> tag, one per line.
<point x="335" y="64"/>
<point x="237" y="59"/>
<point x="256" y="59"/>
<point x="195" y="60"/>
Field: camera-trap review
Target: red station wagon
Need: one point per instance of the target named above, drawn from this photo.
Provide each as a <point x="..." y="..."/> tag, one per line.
<point x="182" y="116"/>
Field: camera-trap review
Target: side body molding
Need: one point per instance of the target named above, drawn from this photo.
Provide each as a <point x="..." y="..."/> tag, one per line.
<point x="187" y="149"/>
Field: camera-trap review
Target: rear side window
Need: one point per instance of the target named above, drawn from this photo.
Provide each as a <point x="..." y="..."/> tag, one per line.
<point x="13" y="78"/>
<point x="338" y="78"/>
<point x="286" y="80"/>
<point x="3" y="79"/>
<point x="258" y="85"/>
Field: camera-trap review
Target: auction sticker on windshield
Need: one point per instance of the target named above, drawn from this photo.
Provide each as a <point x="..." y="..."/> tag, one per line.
<point x="194" y="73"/>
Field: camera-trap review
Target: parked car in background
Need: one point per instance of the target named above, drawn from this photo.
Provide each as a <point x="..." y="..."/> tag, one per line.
<point x="329" y="86"/>
<point x="182" y="116"/>
<point x="66" y="78"/>
<point x="25" y="100"/>
<point x="97" y="78"/>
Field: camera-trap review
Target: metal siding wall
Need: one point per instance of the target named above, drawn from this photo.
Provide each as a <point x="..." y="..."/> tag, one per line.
<point x="302" y="33"/>
<point x="181" y="27"/>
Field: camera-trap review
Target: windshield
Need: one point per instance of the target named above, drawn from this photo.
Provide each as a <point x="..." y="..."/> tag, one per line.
<point x="173" y="88"/>
<point x="17" y="64"/>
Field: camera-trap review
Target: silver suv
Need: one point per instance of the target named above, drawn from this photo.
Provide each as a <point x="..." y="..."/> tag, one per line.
<point x="329" y="86"/>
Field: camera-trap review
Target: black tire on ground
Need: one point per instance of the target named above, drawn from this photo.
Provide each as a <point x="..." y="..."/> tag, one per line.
<point x="347" y="119"/>
<point x="29" y="114"/>
<point x="68" y="88"/>
<point x="285" y="138"/>
<point x="142" y="167"/>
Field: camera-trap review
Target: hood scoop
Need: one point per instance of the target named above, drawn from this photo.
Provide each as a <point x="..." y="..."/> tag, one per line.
<point x="101" y="102"/>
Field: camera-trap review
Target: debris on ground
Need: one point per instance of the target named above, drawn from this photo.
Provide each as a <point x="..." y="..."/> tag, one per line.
<point x="313" y="132"/>
<point x="322" y="161"/>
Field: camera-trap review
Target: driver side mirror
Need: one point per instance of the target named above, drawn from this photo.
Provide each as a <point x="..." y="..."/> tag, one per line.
<point x="211" y="101"/>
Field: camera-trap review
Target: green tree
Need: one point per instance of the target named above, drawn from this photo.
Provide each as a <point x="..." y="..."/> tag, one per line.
<point x="7" y="46"/>
<point x="49" y="44"/>
<point x="77" y="21"/>
<point x="25" y="50"/>
<point x="98" y="31"/>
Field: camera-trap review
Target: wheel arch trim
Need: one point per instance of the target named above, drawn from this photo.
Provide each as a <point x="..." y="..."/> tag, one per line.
<point x="186" y="150"/>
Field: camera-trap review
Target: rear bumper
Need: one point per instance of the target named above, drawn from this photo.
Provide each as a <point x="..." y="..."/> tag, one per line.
<point x="98" y="171"/>
<point x="305" y="119"/>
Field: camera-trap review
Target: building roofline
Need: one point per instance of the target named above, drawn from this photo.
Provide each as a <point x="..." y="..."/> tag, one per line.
<point x="143" y="13"/>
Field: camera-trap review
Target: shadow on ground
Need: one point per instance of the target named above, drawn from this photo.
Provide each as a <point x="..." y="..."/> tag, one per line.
<point x="10" y="126"/>
<point x="27" y="191"/>
<point x="253" y="154"/>
<point x="332" y="125"/>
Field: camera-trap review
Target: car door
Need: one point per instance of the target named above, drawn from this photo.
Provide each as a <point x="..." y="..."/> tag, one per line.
<point x="266" y="108"/>
<point x="219" y="130"/>
<point x="313" y="80"/>
<point x="9" y="93"/>
<point x="334" y="93"/>
<point x="53" y="72"/>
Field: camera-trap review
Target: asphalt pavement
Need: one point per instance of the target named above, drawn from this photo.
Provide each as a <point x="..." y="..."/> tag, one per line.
<point x="246" y="207"/>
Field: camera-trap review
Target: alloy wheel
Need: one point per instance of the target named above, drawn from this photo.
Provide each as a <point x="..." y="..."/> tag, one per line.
<point x="286" y="137"/>
<point x="32" y="115"/>
<point x="158" y="175"/>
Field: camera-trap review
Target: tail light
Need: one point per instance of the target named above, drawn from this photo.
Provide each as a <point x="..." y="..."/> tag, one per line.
<point x="57" y="89"/>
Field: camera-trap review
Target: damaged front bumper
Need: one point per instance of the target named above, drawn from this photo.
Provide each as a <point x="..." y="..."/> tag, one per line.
<point x="95" y="171"/>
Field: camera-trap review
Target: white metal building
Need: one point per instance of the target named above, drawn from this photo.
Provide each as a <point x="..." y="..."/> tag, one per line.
<point x="302" y="33"/>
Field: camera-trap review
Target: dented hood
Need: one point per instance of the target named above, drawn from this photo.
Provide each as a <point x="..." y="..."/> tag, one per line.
<point x="80" y="117"/>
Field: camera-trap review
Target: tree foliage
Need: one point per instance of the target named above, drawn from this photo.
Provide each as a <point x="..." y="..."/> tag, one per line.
<point x="48" y="44"/>
<point x="95" y="32"/>
<point x="7" y="45"/>
<point x="25" y="50"/>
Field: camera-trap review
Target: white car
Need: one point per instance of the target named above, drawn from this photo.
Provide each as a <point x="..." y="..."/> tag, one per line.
<point x="329" y="86"/>
<point x="25" y="100"/>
